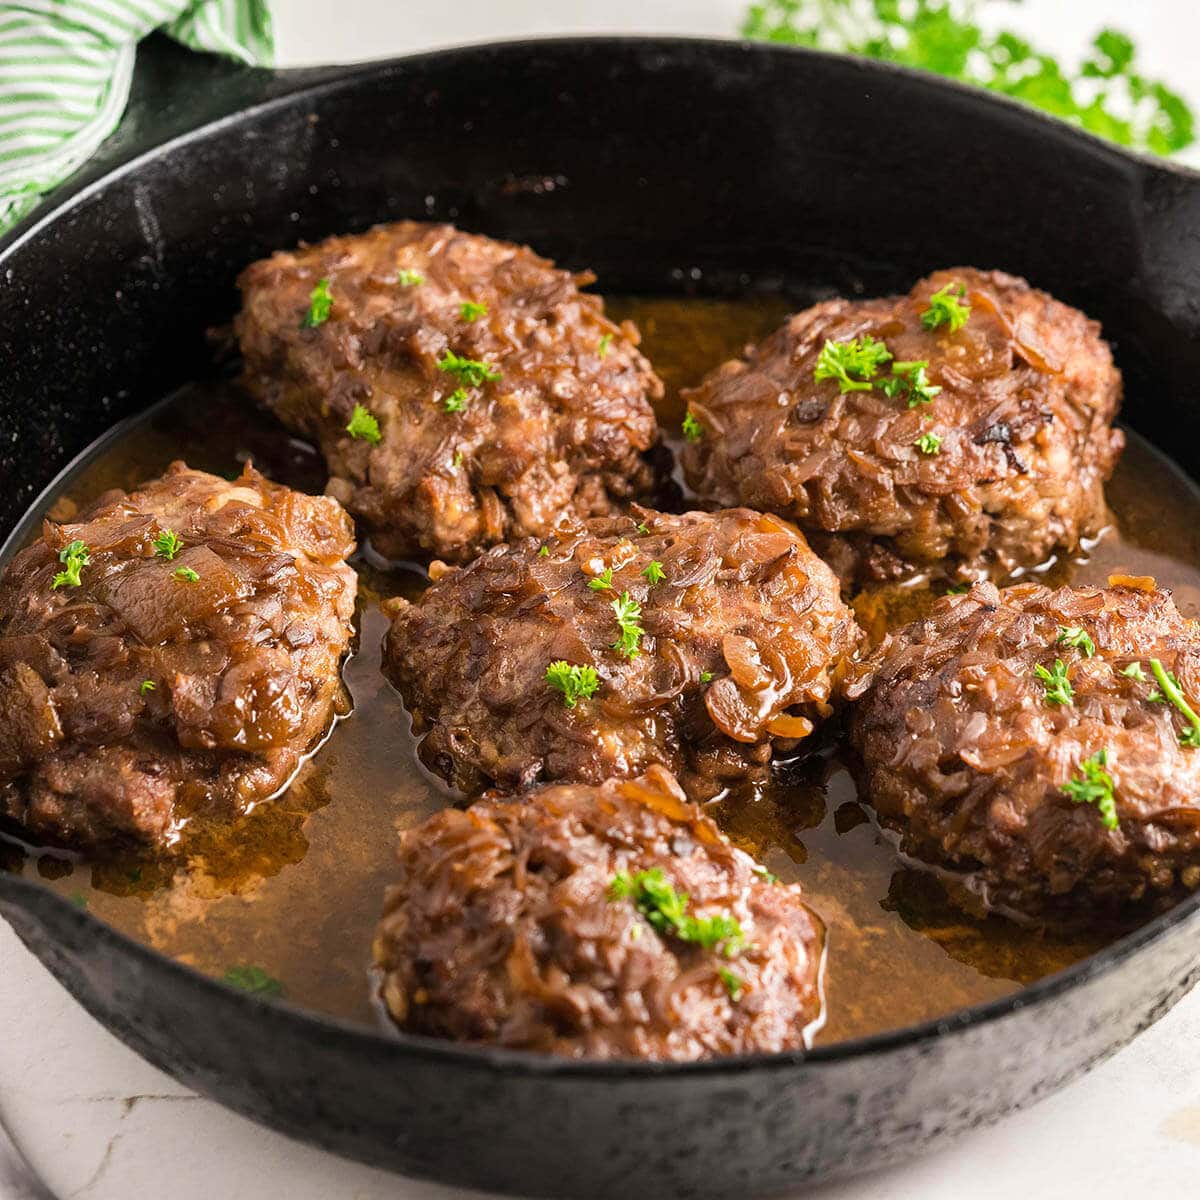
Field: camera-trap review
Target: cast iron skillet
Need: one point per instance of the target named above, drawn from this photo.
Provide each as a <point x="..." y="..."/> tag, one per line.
<point x="663" y="164"/>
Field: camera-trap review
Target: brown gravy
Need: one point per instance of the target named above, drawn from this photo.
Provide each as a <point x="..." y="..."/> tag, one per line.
<point x="295" y="887"/>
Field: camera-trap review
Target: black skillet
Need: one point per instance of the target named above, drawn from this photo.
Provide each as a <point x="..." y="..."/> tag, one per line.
<point x="666" y="165"/>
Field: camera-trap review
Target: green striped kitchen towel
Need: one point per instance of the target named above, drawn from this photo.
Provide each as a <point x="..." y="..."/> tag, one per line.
<point x="65" y="69"/>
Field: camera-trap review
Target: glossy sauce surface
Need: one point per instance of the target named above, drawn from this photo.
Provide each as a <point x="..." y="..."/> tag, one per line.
<point x="295" y="888"/>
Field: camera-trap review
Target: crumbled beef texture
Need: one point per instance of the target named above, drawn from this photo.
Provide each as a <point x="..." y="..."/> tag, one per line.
<point x="503" y="928"/>
<point x="159" y="689"/>
<point x="1028" y="396"/>
<point x="742" y="639"/>
<point x="962" y="751"/>
<point x="564" y="433"/>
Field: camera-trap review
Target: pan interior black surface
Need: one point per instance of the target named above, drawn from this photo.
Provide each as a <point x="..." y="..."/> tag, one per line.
<point x="295" y="889"/>
<point x="663" y="164"/>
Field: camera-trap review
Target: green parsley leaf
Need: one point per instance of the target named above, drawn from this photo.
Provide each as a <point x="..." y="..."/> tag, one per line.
<point x="628" y="613"/>
<point x="692" y="430"/>
<point x="574" y="682"/>
<point x="544" y="551"/>
<point x="74" y="558"/>
<point x="602" y="349"/>
<point x="767" y="876"/>
<point x="407" y="278"/>
<point x="320" y="304"/>
<point x="469" y="371"/>
<point x="642" y="527"/>
<point x="666" y="910"/>
<point x="363" y="425"/>
<point x="167" y="545"/>
<point x="1094" y="785"/>
<point x="706" y="676"/>
<point x="603" y="582"/>
<point x="1134" y="671"/>
<point x="147" y="685"/>
<point x="1058" y="686"/>
<point x="186" y="574"/>
<point x="470" y="311"/>
<point x="910" y="382"/>
<point x="654" y="573"/>
<point x="733" y="985"/>
<point x="852" y="364"/>
<point x="1189" y="737"/>
<point x="1077" y="638"/>
<point x="957" y="589"/>
<point x="947" y="308"/>
<point x="928" y="443"/>
<point x="457" y="460"/>
<point x="253" y="980"/>
<point x="456" y="401"/>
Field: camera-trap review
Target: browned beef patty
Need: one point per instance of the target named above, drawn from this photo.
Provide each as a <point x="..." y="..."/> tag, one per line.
<point x="743" y="632"/>
<point x="965" y="750"/>
<point x="999" y="469"/>
<point x="505" y="926"/>
<point x="463" y="462"/>
<point x="157" y="688"/>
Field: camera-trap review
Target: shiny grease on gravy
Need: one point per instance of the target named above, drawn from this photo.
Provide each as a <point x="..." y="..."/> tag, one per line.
<point x="295" y="888"/>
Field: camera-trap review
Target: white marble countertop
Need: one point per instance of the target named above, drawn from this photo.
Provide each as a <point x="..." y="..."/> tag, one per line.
<point x="92" y="1121"/>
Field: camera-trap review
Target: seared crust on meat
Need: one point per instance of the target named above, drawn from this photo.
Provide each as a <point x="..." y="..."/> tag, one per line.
<point x="501" y="928"/>
<point x="1028" y="395"/>
<point x="560" y="435"/>
<point x="743" y="636"/>
<point x="962" y="752"/>
<point x="145" y="695"/>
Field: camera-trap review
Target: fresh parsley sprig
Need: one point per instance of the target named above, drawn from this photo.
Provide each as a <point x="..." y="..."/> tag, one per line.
<point x="602" y="582"/>
<point x="691" y="428"/>
<point x="1057" y="685"/>
<point x="74" y="558"/>
<point x="469" y="371"/>
<point x="167" y="545"/>
<point x="666" y="910"/>
<point x="853" y="364"/>
<point x="575" y="682"/>
<point x="654" y="573"/>
<point x="629" y="614"/>
<point x="910" y="381"/>
<point x="320" y="305"/>
<point x="1076" y="637"/>
<point x="946" y="307"/>
<point x="470" y="311"/>
<point x="1174" y="693"/>
<point x="1094" y="785"/>
<point x="363" y="425"/>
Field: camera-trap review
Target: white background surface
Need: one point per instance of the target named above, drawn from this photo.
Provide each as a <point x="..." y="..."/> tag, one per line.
<point x="96" y="1123"/>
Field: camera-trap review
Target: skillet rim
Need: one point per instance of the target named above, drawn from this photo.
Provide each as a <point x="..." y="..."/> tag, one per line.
<point x="303" y="84"/>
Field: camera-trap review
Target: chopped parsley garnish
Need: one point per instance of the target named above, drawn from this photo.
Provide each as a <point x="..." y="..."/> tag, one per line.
<point x="852" y="364"/>
<point x="407" y="278"/>
<point x="456" y="401"/>
<point x="733" y="985"/>
<point x="910" y="382"/>
<point x="1094" y="785"/>
<point x="957" y="589"/>
<point x="628" y="613"/>
<point x="544" y="551"/>
<point x="665" y="910"/>
<point x="1058" y="686"/>
<point x="1077" y="638"/>
<point x="767" y="876"/>
<point x="642" y="527"/>
<point x="654" y="573"/>
<point x="946" y="307"/>
<point x="706" y="676"/>
<point x="928" y="443"/>
<point x="602" y="349"/>
<point x="603" y="581"/>
<point x="469" y="371"/>
<point x="573" y="681"/>
<point x="320" y="304"/>
<point x="1134" y="671"/>
<point x="74" y="558"/>
<point x="363" y="425"/>
<point x="470" y="311"/>
<point x="1174" y="693"/>
<point x="692" y="430"/>
<point x="147" y="685"/>
<point x="253" y="980"/>
<point x="457" y="460"/>
<point x="186" y="574"/>
<point x="167" y="545"/>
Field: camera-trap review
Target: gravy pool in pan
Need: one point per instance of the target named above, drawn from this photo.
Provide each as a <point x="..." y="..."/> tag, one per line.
<point x="287" y="898"/>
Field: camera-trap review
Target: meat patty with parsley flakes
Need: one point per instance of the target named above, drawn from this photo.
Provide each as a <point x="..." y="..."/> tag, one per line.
<point x="463" y="391"/>
<point x="963" y="430"/>
<point x="610" y="921"/>
<point x="170" y="654"/>
<point x="1043" y="742"/>
<point x="701" y="642"/>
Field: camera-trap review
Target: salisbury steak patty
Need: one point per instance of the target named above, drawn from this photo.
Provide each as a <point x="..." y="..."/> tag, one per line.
<point x="964" y="452"/>
<point x="170" y="652"/>
<point x="599" y="922"/>
<point x="463" y="391"/>
<point x="695" y="641"/>
<point x="1025" y="736"/>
